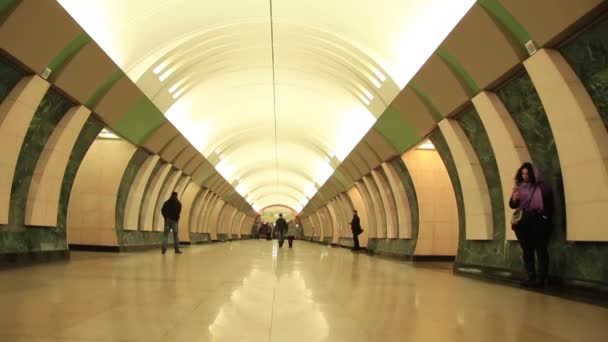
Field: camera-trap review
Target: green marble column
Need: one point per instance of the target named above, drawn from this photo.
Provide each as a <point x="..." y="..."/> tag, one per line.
<point x="155" y="170"/>
<point x="401" y="247"/>
<point x="130" y="237"/>
<point x="588" y="57"/>
<point x="9" y="77"/>
<point x="87" y="136"/>
<point x="489" y="253"/>
<point x="51" y="110"/>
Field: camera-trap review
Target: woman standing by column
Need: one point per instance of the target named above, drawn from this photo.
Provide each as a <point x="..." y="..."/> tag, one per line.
<point x="531" y="222"/>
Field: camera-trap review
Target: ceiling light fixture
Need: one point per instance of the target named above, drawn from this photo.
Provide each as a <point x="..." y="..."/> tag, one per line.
<point x="274" y="97"/>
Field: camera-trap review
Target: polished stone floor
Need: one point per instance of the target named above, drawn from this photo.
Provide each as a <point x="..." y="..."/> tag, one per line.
<point x="253" y="291"/>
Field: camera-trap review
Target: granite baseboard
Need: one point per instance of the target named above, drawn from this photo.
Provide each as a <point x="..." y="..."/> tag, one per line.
<point x="94" y="248"/>
<point x="32" y="258"/>
<point x="590" y="292"/>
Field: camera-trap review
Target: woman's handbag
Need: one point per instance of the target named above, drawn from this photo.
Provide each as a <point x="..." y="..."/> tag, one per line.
<point x="523" y="216"/>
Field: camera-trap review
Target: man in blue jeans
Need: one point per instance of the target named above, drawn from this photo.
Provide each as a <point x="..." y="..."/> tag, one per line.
<point x="171" y="210"/>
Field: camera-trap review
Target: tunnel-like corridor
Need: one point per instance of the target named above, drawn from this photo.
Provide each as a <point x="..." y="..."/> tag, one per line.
<point x="253" y="291"/>
<point x="404" y="129"/>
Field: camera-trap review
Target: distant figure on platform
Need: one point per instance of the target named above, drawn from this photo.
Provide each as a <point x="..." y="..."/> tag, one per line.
<point x="291" y="233"/>
<point x="171" y="210"/>
<point x="355" y="227"/>
<point x="280" y="229"/>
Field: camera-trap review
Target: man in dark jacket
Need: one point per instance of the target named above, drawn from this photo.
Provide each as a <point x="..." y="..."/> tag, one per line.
<point x="171" y="210"/>
<point x="355" y="227"/>
<point x="281" y="229"/>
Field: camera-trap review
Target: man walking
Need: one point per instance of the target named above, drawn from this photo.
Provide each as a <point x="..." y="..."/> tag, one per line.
<point x="281" y="229"/>
<point x="171" y="210"/>
<point x="355" y="227"/>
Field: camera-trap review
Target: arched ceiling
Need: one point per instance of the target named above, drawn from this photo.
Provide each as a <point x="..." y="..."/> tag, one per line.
<point x="274" y="104"/>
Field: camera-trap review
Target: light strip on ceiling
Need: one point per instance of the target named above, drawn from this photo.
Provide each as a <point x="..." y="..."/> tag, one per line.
<point x="274" y="97"/>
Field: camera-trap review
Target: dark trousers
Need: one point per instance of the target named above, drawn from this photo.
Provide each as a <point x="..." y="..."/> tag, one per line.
<point x="534" y="239"/>
<point x="355" y="241"/>
<point x="290" y="240"/>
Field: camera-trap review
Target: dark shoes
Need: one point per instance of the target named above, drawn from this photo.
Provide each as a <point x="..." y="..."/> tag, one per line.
<point x="534" y="283"/>
<point x="164" y="250"/>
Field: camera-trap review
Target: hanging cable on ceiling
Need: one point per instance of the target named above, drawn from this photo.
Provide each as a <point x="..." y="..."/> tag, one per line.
<point x="274" y="97"/>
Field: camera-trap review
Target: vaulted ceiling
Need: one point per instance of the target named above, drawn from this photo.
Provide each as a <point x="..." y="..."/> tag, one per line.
<point x="275" y="94"/>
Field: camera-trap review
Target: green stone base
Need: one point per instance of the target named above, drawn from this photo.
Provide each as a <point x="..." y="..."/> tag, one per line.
<point x="30" y="258"/>
<point x="580" y="290"/>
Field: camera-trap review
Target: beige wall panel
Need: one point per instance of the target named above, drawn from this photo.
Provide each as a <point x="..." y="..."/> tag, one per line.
<point x="119" y="100"/>
<point x="582" y="144"/>
<point x="161" y="137"/>
<point x="347" y="209"/>
<point x="438" y="215"/>
<point x="43" y="29"/>
<point x="359" y="163"/>
<point x="237" y="223"/>
<point x="545" y="19"/>
<point x="368" y="155"/>
<point x="45" y="187"/>
<point x="335" y="228"/>
<point x="328" y="225"/>
<point x="352" y="169"/>
<point x="16" y="113"/>
<point x="371" y="229"/>
<point x="92" y="207"/>
<point x="317" y="224"/>
<point x="212" y="223"/>
<point x="477" y="36"/>
<point x="372" y="189"/>
<point x="510" y="149"/>
<point x="193" y="164"/>
<point x="174" y="148"/>
<point x="414" y="111"/>
<point x="438" y="82"/>
<point x="363" y="211"/>
<point x="207" y="212"/>
<point x="380" y="145"/>
<point x="184" y="157"/>
<point x="403" y="211"/>
<point x="388" y="203"/>
<point x="136" y="193"/>
<point x="196" y="213"/>
<point x="86" y="72"/>
<point x="187" y="204"/>
<point x="146" y="221"/>
<point x="341" y="220"/>
<point x="346" y="172"/>
<point x="221" y="220"/>
<point x="182" y="184"/>
<point x="164" y="194"/>
<point x="478" y="210"/>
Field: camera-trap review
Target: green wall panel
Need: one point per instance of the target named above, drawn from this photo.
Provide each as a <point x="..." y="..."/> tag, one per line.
<point x="20" y="239"/>
<point x="401" y="247"/>
<point x="588" y="57"/>
<point x="9" y="77"/>
<point x="393" y="126"/>
<point x="155" y="170"/>
<point x="491" y="252"/>
<point x="51" y="110"/>
<point x="506" y="19"/>
<point x="68" y="52"/>
<point x="141" y="120"/>
<point x="134" y="165"/>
